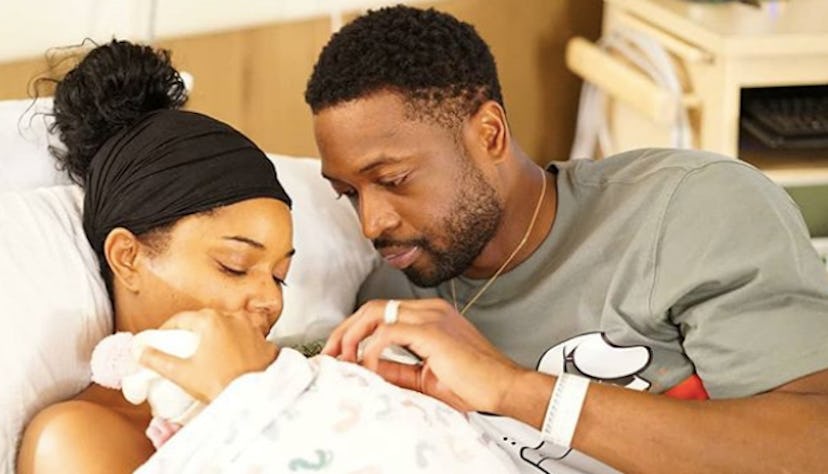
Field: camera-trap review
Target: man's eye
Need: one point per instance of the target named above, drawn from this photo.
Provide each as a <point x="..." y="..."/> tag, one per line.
<point x="350" y="194"/>
<point x="232" y="271"/>
<point x="279" y="281"/>
<point x="393" y="182"/>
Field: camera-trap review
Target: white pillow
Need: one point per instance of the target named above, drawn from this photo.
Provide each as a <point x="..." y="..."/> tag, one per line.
<point x="53" y="304"/>
<point x="24" y="161"/>
<point x="332" y="257"/>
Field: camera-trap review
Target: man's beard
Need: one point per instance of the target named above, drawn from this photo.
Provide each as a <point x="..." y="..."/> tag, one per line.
<point x="470" y="224"/>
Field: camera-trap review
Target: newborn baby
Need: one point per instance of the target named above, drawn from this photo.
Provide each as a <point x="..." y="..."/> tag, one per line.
<point x="298" y="413"/>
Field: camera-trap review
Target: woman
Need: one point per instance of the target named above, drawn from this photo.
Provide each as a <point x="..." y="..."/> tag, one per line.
<point x="192" y="229"/>
<point x="183" y="212"/>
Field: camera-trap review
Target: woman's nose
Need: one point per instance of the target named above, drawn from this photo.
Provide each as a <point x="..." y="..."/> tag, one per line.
<point x="265" y="305"/>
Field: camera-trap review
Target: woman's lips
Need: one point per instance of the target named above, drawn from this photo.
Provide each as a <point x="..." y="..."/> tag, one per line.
<point x="400" y="257"/>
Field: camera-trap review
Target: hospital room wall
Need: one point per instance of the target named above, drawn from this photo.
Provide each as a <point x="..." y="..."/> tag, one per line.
<point x="254" y="77"/>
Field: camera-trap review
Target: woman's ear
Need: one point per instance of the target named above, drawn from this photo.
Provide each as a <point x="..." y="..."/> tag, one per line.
<point x="121" y="250"/>
<point x="491" y="130"/>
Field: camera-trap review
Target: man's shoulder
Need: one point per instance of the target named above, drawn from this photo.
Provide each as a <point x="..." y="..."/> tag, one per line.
<point x="639" y="165"/>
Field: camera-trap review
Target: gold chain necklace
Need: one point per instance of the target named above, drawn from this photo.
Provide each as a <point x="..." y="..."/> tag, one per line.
<point x="508" y="260"/>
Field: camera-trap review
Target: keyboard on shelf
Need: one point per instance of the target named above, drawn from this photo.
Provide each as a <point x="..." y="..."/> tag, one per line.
<point x="787" y="117"/>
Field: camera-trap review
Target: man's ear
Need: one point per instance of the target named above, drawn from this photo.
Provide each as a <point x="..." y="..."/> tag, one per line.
<point x="121" y="250"/>
<point x="490" y="129"/>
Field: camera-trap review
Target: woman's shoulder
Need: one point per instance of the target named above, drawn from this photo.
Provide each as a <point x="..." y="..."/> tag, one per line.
<point x="81" y="436"/>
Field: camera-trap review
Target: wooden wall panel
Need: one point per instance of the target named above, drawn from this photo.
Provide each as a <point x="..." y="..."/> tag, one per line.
<point x="255" y="78"/>
<point x="279" y="63"/>
<point x="15" y="77"/>
<point x="527" y="39"/>
<point x="217" y="63"/>
<point x="18" y="80"/>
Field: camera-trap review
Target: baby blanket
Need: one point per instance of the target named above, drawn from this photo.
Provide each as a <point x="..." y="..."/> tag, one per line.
<point x="324" y="415"/>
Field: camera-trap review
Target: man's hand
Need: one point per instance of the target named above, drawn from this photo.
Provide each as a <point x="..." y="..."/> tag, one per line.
<point x="229" y="346"/>
<point x="460" y="367"/>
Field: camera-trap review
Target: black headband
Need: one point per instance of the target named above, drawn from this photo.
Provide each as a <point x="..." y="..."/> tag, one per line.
<point x="169" y="165"/>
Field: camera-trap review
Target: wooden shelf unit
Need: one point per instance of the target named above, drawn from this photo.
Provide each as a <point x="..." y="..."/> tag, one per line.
<point x="719" y="49"/>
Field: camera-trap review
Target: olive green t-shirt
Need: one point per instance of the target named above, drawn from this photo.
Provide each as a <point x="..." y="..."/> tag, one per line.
<point x="662" y="268"/>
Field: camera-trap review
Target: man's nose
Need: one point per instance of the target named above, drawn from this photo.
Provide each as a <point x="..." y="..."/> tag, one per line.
<point x="376" y="215"/>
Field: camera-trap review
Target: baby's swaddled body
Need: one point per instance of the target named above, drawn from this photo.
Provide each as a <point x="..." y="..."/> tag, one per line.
<point x="325" y="414"/>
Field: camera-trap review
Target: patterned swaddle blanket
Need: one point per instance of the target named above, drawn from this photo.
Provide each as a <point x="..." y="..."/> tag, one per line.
<point x="323" y="415"/>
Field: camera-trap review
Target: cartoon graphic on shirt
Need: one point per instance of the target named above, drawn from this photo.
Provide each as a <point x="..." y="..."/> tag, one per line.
<point x="590" y="355"/>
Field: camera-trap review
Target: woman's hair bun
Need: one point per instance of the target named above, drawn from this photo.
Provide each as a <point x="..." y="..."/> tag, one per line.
<point x="111" y="88"/>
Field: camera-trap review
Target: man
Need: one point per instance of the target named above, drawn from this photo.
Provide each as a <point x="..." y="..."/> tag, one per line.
<point x="683" y="281"/>
<point x="657" y="311"/>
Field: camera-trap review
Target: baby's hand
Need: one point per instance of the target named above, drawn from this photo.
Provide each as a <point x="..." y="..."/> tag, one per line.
<point x="159" y="431"/>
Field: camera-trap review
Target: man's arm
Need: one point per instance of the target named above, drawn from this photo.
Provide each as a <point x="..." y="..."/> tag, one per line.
<point x="784" y="430"/>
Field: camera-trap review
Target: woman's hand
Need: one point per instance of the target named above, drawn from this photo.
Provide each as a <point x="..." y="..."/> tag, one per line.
<point x="229" y="346"/>
<point x="460" y="367"/>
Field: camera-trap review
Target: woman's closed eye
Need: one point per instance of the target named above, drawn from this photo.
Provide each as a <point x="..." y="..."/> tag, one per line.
<point x="239" y="273"/>
<point x="232" y="271"/>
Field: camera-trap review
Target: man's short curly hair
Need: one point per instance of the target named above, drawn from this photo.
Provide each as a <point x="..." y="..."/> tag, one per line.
<point x="440" y="66"/>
